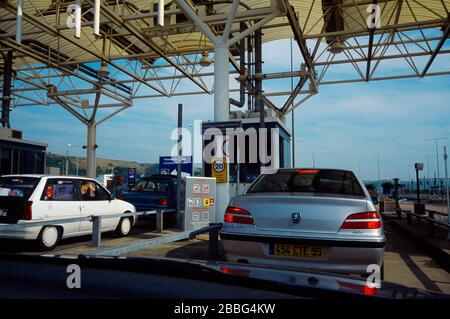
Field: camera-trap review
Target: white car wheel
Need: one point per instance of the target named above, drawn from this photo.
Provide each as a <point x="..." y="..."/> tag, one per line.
<point x="124" y="227"/>
<point x="48" y="238"/>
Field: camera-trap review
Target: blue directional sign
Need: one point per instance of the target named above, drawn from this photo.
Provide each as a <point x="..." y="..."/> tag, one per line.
<point x="168" y="165"/>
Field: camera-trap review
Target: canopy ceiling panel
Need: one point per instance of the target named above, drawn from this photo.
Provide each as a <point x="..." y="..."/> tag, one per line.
<point x="342" y="16"/>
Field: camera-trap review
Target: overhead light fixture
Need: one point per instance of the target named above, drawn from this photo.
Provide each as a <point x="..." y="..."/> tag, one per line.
<point x="103" y="70"/>
<point x="205" y="61"/>
<point x="336" y="47"/>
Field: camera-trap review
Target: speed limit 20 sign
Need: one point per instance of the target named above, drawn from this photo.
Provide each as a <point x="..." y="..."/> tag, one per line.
<point x="219" y="170"/>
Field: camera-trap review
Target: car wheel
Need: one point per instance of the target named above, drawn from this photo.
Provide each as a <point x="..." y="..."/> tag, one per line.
<point x="48" y="238"/>
<point x="124" y="227"/>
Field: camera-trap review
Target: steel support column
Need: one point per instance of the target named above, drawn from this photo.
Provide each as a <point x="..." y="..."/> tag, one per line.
<point x="221" y="83"/>
<point x="7" y="82"/>
<point x="91" y="166"/>
<point x="221" y="113"/>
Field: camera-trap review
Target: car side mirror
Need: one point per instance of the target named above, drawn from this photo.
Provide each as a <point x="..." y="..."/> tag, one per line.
<point x="112" y="197"/>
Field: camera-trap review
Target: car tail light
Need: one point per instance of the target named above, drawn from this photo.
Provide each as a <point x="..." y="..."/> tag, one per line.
<point x="364" y="220"/>
<point x="235" y="271"/>
<point x="163" y="201"/>
<point x="28" y="213"/>
<point x="307" y="171"/>
<point x="238" y="215"/>
<point x="362" y="289"/>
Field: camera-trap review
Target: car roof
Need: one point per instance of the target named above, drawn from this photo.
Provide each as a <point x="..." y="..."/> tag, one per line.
<point x="314" y="168"/>
<point x="160" y="176"/>
<point x="24" y="175"/>
<point x="48" y="176"/>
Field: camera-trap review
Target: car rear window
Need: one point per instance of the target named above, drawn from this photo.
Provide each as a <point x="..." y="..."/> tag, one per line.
<point x="152" y="185"/>
<point x="17" y="187"/>
<point x="324" y="181"/>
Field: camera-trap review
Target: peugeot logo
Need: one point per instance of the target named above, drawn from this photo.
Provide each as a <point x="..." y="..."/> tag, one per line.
<point x="296" y="218"/>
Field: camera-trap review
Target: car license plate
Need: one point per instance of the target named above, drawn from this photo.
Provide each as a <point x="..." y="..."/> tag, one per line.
<point x="297" y="251"/>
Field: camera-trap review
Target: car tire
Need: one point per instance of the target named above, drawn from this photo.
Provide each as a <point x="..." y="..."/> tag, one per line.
<point x="48" y="238"/>
<point x="124" y="227"/>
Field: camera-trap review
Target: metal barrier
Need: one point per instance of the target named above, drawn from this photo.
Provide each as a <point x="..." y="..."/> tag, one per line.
<point x="432" y="222"/>
<point x="212" y="229"/>
<point x="95" y="219"/>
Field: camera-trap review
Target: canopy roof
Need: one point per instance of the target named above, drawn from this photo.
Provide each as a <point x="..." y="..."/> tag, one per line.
<point x="181" y="36"/>
<point x="132" y="43"/>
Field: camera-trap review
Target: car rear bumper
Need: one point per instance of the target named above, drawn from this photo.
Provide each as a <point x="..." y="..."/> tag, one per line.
<point x="340" y="256"/>
<point x="28" y="233"/>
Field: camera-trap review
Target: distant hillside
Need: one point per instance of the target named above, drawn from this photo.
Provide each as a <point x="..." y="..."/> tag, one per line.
<point x="104" y="165"/>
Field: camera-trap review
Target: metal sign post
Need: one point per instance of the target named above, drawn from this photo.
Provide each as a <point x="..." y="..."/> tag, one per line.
<point x="131" y="178"/>
<point x="179" y="154"/>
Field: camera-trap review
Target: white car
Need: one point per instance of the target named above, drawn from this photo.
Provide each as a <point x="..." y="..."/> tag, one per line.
<point x="30" y="198"/>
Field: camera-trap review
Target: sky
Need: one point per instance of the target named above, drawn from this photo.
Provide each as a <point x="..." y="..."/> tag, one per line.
<point x="344" y="125"/>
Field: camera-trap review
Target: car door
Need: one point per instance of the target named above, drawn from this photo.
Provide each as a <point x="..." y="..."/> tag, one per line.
<point x="96" y="200"/>
<point x="61" y="201"/>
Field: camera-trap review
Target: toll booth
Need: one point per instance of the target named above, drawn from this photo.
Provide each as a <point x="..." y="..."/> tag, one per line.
<point x="19" y="156"/>
<point x="242" y="173"/>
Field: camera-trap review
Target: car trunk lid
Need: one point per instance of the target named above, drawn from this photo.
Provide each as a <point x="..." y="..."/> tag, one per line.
<point x="14" y="198"/>
<point x="146" y="199"/>
<point x="300" y="213"/>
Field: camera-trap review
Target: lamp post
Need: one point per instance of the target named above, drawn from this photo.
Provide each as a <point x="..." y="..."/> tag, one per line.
<point x="446" y="189"/>
<point x="428" y="174"/>
<point x="67" y="163"/>
<point x="358" y="165"/>
<point x="418" y="207"/>
<point x="436" y="139"/>
<point x="378" y="166"/>
<point x="409" y="179"/>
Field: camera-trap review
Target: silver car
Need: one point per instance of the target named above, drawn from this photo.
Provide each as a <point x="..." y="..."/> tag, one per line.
<point x="319" y="219"/>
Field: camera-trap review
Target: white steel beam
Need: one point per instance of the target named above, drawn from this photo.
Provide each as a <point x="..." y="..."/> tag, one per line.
<point x="253" y="28"/>
<point x="19" y="21"/>
<point x="97" y="17"/>
<point x="189" y="11"/>
<point x="78" y="19"/>
<point x="161" y="13"/>
<point x="232" y="14"/>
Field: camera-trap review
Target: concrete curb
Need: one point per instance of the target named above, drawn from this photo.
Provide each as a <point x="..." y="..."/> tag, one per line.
<point x="437" y="253"/>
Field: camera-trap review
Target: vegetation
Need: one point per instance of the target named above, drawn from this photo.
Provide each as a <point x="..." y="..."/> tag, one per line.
<point x="104" y="166"/>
